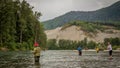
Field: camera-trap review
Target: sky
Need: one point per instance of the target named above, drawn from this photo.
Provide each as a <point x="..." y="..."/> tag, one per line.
<point x="54" y="8"/>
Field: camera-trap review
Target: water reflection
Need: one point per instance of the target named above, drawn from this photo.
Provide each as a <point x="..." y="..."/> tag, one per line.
<point x="37" y="65"/>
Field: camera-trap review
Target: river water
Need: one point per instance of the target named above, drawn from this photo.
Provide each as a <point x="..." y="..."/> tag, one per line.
<point x="60" y="59"/>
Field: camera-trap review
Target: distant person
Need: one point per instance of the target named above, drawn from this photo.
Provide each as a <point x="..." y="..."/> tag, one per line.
<point x="36" y="52"/>
<point x="109" y="47"/>
<point x="97" y="49"/>
<point x="79" y="50"/>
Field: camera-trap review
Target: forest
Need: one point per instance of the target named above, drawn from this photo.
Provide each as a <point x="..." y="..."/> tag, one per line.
<point x="20" y="26"/>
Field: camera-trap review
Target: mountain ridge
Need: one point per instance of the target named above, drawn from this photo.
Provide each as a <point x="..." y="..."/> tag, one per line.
<point x="107" y="14"/>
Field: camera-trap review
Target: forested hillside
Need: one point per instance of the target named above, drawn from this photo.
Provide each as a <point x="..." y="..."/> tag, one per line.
<point x="19" y="26"/>
<point x="109" y="14"/>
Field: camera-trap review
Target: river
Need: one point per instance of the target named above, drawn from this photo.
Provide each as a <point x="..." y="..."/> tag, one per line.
<point x="60" y="59"/>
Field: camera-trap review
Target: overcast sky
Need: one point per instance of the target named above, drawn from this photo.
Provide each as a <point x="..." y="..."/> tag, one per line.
<point x="53" y="8"/>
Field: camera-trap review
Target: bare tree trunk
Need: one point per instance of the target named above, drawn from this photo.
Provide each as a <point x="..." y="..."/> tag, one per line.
<point x="1" y="41"/>
<point x="36" y="36"/>
<point x="20" y="38"/>
<point x="36" y="33"/>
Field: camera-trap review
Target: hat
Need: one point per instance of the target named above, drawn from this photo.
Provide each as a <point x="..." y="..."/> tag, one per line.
<point x="36" y="44"/>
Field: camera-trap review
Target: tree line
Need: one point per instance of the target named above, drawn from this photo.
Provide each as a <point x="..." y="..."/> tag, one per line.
<point x="19" y="25"/>
<point x="53" y="44"/>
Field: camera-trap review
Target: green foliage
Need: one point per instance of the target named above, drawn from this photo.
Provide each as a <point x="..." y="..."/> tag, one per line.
<point x="51" y="44"/>
<point x="69" y="44"/>
<point x="91" y="45"/>
<point x="19" y="26"/>
<point x="85" y="26"/>
<point x="85" y="44"/>
<point x="12" y="46"/>
<point x="66" y="26"/>
<point x="113" y="41"/>
<point x="89" y="27"/>
<point x="115" y="47"/>
<point x="101" y="46"/>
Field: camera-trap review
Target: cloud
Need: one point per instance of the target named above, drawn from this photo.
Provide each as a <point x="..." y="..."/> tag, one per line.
<point x="54" y="8"/>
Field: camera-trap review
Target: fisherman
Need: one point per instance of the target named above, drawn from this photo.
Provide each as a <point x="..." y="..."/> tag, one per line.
<point x="79" y="50"/>
<point x="36" y="52"/>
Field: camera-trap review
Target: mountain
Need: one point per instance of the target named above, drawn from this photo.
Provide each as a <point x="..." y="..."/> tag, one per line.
<point x="106" y="15"/>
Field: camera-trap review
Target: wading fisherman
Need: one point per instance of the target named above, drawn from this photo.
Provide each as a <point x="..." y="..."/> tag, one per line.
<point x="109" y="47"/>
<point x="79" y="50"/>
<point x="36" y="52"/>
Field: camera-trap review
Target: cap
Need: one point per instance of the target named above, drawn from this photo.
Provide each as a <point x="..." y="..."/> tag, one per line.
<point x="36" y="44"/>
